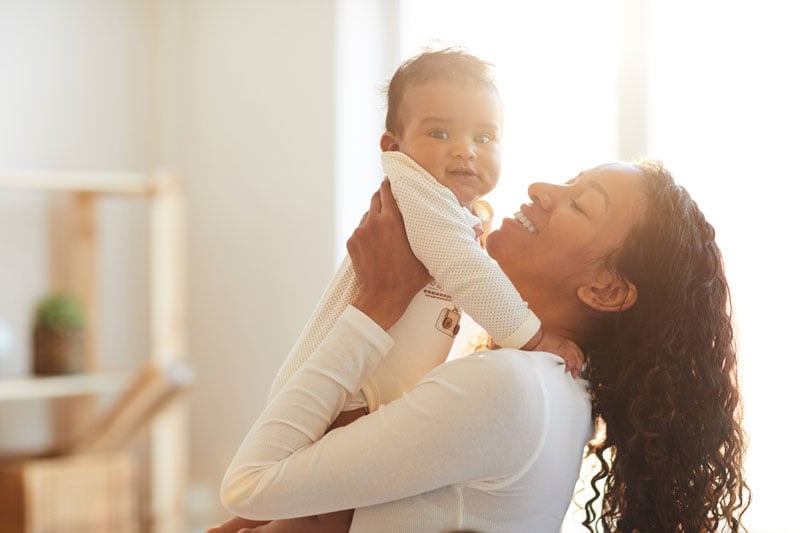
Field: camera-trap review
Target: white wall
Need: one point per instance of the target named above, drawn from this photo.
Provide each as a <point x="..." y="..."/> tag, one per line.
<point x="256" y="126"/>
<point x="76" y="94"/>
<point x="238" y="96"/>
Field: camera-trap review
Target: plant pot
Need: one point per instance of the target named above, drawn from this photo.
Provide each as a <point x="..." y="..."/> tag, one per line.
<point x="58" y="351"/>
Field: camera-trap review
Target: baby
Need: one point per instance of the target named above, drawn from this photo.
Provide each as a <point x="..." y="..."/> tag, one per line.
<point x="441" y="153"/>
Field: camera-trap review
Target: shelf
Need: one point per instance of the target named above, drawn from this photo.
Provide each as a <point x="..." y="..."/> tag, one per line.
<point x="41" y="388"/>
<point x="130" y="183"/>
<point x="74" y="265"/>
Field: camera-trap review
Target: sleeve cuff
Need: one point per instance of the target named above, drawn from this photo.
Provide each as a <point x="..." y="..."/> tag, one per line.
<point x="523" y="334"/>
<point x="368" y="329"/>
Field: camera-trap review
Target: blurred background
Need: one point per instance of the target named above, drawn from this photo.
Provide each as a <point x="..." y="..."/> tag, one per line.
<point x="271" y="111"/>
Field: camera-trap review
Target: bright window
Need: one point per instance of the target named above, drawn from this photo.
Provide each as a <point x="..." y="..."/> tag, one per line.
<point x="558" y="87"/>
<point x="708" y="87"/>
<point x="723" y="115"/>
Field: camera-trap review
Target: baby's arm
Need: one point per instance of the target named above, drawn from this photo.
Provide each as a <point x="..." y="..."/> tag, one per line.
<point x="444" y="241"/>
<point x="236" y="524"/>
<point x="560" y="346"/>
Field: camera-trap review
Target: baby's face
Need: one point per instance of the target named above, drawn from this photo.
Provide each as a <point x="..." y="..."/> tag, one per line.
<point x="453" y="131"/>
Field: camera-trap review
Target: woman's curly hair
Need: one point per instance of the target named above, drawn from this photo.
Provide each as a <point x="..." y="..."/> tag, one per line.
<point x="664" y="380"/>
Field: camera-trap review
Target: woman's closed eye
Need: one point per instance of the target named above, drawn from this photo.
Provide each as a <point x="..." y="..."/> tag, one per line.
<point x="577" y="207"/>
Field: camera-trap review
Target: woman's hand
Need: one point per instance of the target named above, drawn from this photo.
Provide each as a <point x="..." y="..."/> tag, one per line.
<point x="389" y="275"/>
<point x="236" y="524"/>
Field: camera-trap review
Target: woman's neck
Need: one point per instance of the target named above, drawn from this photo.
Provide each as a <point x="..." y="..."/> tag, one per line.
<point x="560" y="314"/>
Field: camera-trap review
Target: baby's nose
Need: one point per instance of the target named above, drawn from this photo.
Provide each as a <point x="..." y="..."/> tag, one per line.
<point x="464" y="149"/>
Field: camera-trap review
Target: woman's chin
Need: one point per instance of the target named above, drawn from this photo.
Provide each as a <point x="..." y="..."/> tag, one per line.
<point x="495" y="242"/>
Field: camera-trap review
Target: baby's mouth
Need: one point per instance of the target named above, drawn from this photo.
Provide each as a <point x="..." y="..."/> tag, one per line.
<point x="464" y="172"/>
<point x="525" y="221"/>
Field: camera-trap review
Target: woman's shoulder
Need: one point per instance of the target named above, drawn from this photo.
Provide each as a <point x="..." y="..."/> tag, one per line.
<point x="513" y="395"/>
<point x="514" y="375"/>
<point x="516" y="365"/>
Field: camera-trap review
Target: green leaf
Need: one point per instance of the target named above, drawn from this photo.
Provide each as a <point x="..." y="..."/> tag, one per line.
<point x="59" y="311"/>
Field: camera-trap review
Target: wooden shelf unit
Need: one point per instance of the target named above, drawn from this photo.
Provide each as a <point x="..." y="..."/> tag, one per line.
<point x="43" y="388"/>
<point x="74" y="268"/>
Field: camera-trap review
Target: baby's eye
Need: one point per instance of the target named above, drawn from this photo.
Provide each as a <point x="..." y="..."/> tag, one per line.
<point x="439" y="134"/>
<point x="484" y="139"/>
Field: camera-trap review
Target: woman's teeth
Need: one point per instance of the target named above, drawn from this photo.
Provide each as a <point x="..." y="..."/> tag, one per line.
<point x="525" y="222"/>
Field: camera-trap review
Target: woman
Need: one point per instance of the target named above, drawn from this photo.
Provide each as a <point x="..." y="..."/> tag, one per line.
<point x="619" y="260"/>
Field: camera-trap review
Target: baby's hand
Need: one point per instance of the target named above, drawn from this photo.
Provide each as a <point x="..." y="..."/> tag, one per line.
<point x="564" y="348"/>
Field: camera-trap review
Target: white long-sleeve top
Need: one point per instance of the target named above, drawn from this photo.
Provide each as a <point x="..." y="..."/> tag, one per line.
<point x="492" y="442"/>
<point x="441" y="234"/>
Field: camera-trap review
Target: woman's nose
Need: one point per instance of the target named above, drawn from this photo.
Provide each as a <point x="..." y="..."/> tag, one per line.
<point x="542" y="194"/>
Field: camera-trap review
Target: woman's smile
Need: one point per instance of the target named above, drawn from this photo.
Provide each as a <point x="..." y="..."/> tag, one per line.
<point x="525" y="221"/>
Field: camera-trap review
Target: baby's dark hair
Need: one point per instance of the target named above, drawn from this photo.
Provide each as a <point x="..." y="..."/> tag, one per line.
<point x="448" y="64"/>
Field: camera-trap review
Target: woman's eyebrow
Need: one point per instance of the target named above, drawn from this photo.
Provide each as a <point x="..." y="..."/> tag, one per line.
<point x="599" y="188"/>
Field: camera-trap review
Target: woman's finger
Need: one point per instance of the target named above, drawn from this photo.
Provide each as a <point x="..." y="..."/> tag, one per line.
<point x="374" y="208"/>
<point x="388" y="203"/>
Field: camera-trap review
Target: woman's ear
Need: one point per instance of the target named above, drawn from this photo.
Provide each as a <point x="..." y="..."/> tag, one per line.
<point x="389" y="142"/>
<point x="609" y="292"/>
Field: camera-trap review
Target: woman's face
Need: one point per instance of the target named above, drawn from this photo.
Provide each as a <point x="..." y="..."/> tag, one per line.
<point x="560" y="238"/>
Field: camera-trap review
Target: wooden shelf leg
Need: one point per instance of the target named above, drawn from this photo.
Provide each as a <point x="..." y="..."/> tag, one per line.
<point x="169" y="464"/>
<point x="74" y="269"/>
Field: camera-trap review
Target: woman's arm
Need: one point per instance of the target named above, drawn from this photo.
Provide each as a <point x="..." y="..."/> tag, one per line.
<point x="423" y="441"/>
<point x="473" y="419"/>
<point x="335" y="522"/>
<point x="388" y="272"/>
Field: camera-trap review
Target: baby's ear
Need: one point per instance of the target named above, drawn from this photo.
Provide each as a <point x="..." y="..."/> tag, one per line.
<point x="389" y="142"/>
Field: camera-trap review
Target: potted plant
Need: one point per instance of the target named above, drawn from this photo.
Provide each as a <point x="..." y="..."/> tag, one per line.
<point x="59" y="335"/>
